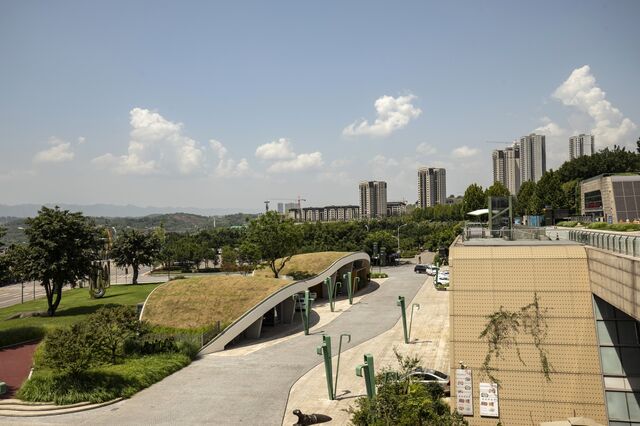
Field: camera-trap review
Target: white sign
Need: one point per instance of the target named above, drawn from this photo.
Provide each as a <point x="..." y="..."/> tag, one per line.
<point x="464" y="392"/>
<point x="489" y="400"/>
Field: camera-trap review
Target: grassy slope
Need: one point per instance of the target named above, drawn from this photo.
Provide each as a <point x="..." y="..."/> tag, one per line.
<point x="74" y="307"/>
<point x="309" y="262"/>
<point x="201" y="301"/>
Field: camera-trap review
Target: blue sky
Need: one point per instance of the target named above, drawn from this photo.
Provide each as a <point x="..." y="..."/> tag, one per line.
<point x="213" y="104"/>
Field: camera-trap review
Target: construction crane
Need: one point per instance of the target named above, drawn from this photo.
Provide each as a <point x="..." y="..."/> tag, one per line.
<point x="298" y="201"/>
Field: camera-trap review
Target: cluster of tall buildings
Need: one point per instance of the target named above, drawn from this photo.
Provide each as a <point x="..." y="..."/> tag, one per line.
<point x="526" y="159"/>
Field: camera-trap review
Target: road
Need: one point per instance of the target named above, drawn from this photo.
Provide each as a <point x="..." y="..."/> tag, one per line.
<point x="250" y="388"/>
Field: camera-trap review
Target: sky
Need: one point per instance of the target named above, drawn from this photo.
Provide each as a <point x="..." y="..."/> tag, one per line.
<point x="228" y="104"/>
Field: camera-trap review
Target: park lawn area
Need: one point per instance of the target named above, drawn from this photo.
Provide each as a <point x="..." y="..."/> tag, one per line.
<point x="102" y="383"/>
<point x="76" y="304"/>
<point x="199" y="302"/>
<point x="312" y="263"/>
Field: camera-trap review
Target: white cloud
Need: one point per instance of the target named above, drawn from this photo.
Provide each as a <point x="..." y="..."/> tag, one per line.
<point x="426" y="149"/>
<point x="156" y="146"/>
<point x="382" y="162"/>
<point x="59" y="152"/>
<point x="391" y="114"/>
<point x="580" y="91"/>
<point x="465" y="152"/>
<point x="228" y="167"/>
<point x="301" y="162"/>
<point x="550" y="128"/>
<point x="275" y="150"/>
<point x="81" y="140"/>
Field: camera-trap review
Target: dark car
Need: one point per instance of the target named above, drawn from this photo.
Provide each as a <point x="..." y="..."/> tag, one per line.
<point x="420" y="269"/>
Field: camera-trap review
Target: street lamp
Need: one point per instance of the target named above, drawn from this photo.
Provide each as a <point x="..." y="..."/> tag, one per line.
<point x="115" y="236"/>
<point x="400" y="226"/>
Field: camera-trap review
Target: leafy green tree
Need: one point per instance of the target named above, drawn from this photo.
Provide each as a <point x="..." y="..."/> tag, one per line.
<point x="113" y="326"/>
<point x="248" y="256"/>
<point x="229" y="259"/>
<point x="400" y="401"/>
<point x="277" y="238"/>
<point x="497" y="190"/>
<point x="61" y="249"/>
<point x="474" y="198"/>
<point x="384" y="239"/>
<point x="549" y="190"/>
<point x="134" y="248"/>
<point x="523" y="200"/>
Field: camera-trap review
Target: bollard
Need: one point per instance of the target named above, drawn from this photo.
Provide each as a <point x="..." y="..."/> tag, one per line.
<point x="325" y="351"/>
<point x="335" y="392"/>
<point x="415" y="305"/>
<point x="369" y="375"/>
<point x="400" y="303"/>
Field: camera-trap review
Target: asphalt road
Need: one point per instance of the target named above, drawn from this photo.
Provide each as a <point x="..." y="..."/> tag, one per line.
<point x="251" y="389"/>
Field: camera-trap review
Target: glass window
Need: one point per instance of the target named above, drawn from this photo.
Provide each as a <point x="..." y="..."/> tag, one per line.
<point x="610" y="361"/>
<point x="607" y="333"/>
<point x="633" y="400"/>
<point x="631" y="360"/>
<point x="628" y="332"/>
<point x="617" y="406"/>
<point x="603" y="309"/>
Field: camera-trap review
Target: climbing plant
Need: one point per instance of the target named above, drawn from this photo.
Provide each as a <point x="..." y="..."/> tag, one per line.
<point x="502" y="330"/>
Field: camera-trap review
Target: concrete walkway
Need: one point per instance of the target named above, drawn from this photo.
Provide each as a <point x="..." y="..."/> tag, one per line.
<point x="251" y="388"/>
<point x="429" y="342"/>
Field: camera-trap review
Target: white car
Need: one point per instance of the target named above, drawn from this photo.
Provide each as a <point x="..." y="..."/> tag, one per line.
<point x="443" y="278"/>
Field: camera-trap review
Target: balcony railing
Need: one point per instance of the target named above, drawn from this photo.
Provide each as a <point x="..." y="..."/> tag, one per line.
<point x="615" y="242"/>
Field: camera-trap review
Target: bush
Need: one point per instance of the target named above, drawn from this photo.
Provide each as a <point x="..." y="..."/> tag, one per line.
<point x="300" y="275"/>
<point x="378" y="275"/>
<point x="567" y="224"/>
<point x="113" y="326"/>
<point x="625" y="227"/>
<point x="150" y="344"/>
<point x="70" y="350"/>
<point x="14" y="336"/>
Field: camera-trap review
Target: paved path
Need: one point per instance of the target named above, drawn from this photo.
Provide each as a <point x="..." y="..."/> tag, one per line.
<point x="253" y="388"/>
<point x="15" y="365"/>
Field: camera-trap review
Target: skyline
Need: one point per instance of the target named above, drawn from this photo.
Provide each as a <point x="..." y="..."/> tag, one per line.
<point x="212" y="106"/>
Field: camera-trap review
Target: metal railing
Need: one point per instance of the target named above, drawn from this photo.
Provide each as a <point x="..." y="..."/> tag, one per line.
<point x="474" y="230"/>
<point x="616" y="242"/>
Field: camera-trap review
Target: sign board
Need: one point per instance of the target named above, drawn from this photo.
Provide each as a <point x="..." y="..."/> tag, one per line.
<point x="464" y="392"/>
<point x="489" y="400"/>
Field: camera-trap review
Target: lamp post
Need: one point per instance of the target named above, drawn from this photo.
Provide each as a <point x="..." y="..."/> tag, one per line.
<point x="115" y="235"/>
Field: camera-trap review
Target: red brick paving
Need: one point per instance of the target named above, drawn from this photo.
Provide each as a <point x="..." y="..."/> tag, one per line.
<point x="15" y="365"/>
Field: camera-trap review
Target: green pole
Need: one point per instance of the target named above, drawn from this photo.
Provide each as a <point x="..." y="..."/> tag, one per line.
<point x="369" y="375"/>
<point x="347" y="279"/>
<point x="330" y="289"/>
<point x="335" y="392"/>
<point x="325" y="351"/>
<point x="415" y="305"/>
<point x="400" y="303"/>
<point x="305" y="314"/>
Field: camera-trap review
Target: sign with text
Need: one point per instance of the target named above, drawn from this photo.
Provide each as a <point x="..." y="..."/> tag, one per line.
<point x="489" y="400"/>
<point x="464" y="392"/>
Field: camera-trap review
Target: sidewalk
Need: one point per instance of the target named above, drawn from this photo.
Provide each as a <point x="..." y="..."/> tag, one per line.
<point x="429" y="341"/>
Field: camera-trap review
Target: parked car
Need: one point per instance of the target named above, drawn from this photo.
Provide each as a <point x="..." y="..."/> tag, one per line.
<point x="443" y="278"/>
<point x="424" y="376"/>
<point x="431" y="270"/>
<point x="420" y="269"/>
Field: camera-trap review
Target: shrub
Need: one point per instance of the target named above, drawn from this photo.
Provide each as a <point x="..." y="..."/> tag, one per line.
<point x="70" y="350"/>
<point x="150" y="344"/>
<point x="625" y="227"/>
<point x="378" y="275"/>
<point x="300" y="275"/>
<point x="567" y="224"/>
<point x="13" y="336"/>
<point x="113" y="326"/>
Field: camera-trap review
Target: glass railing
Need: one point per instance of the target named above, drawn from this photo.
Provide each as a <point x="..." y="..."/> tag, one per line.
<point x="611" y="241"/>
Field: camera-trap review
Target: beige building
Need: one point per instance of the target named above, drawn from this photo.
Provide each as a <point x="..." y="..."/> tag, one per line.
<point x="581" y="145"/>
<point x="373" y="199"/>
<point x="432" y="186"/>
<point x="612" y="198"/>
<point x="325" y="214"/>
<point x="396" y="208"/>
<point x="486" y="276"/>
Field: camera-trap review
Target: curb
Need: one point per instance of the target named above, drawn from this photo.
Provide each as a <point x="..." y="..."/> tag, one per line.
<point x="59" y="410"/>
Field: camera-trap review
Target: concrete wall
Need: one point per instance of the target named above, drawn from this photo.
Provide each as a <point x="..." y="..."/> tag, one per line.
<point x="485" y="278"/>
<point x="614" y="278"/>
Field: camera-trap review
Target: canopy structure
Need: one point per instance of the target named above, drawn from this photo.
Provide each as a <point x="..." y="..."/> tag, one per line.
<point x="480" y="212"/>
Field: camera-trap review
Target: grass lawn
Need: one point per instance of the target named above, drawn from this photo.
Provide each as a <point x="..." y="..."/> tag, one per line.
<point x="313" y="263"/>
<point x="102" y="383"/>
<point x="75" y="305"/>
<point x="198" y="302"/>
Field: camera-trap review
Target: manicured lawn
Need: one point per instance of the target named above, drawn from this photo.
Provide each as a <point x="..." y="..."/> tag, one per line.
<point x="102" y="383"/>
<point x="313" y="263"/>
<point x="75" y="305"/>
<point x="195" y="303"/>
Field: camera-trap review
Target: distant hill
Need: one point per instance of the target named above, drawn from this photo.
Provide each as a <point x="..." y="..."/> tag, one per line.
<point x="114" y="210"/>
<point x="172" y="222"/>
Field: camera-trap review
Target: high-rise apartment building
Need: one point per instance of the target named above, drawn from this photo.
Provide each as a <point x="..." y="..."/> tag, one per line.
<point x="373" y="199"/>
<point x="533" y="157"/>
<point x="581" y="145"/>
<point x="497" y="159"/>
<point x="432" y="186"/>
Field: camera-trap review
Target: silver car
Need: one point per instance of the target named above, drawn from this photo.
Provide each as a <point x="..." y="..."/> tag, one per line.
<point x="425" y="376"/>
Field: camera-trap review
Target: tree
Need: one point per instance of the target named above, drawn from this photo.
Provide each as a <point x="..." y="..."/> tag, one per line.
<point x="474" y="198"/>
<point x="229" y="259"/>
<point x="112" y="327"/>
<point x="549" y="190"/>
<point x="384" y="239"/>
<point x="523" y="199"/>
<point x="134" y="248"/>
<point x="277" y="238"/>
<point x="497" y="190"/>
<point x="61" y="249"/>
<point x="401" y="401"/>
<point x="248" y="256"/>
